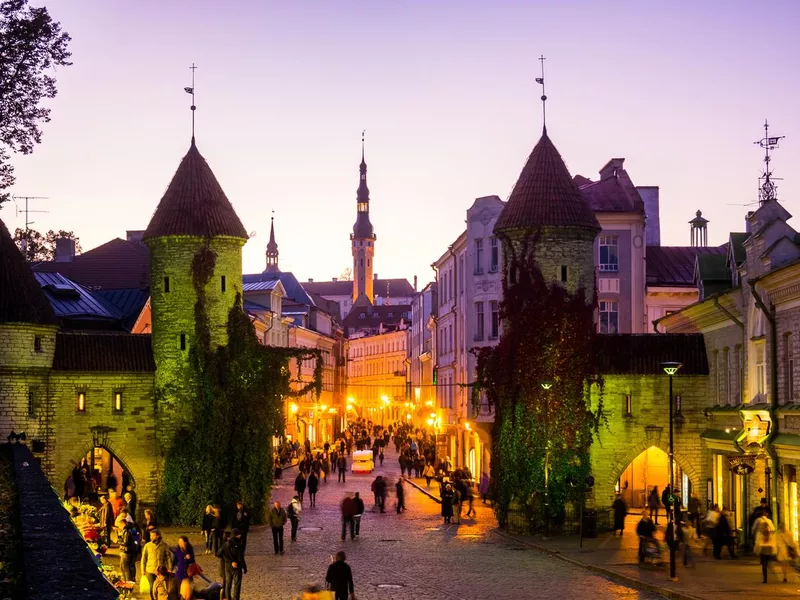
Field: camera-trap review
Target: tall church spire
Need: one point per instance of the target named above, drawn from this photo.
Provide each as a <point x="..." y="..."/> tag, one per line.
<point x="272" y="248"/>
<point x="363" y="238"/>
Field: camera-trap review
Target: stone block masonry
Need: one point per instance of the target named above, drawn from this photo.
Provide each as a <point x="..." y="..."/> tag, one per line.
<point x="627" y="435"/>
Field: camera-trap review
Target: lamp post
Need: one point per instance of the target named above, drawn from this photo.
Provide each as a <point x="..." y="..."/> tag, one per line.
<point x="546" y="385"/>
<point x="670" y="368"/>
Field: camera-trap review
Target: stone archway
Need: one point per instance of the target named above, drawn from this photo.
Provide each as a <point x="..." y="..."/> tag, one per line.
<point x="100" y="441"/>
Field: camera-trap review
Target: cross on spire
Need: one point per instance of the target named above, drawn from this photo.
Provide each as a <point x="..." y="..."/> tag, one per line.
<point x="190" y="90"/>
<point x="540" y="80"/>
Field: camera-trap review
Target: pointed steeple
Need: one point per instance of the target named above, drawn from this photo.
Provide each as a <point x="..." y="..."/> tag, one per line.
<point x="272" y="249"/>
<point x="545" y="195"/>
<point x="363" y="191"/>
<point x="362" y="228"/>
<point x="194" y="204"/>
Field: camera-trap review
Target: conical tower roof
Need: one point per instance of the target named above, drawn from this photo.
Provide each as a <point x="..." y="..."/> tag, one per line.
<point x="545" y="195"/>
<point x="194" y="204"/>
<point x="22" y="299"/>
<point x="272" y="245"/>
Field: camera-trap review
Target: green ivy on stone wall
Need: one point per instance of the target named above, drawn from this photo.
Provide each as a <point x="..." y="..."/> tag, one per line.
<point x="224" y="452"/>
<point x="547" y="335"/>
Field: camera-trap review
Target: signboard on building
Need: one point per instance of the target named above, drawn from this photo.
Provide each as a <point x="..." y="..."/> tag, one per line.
<point x="742" y="465"/>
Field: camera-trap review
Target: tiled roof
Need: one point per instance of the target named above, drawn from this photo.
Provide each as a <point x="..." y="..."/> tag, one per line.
<point x="389" y="316"/>
<point x="643" y="353"/>
<point x="294" y="290"/>
<point x="129" y="303"/>
<point x="123" y="352"/>
<point x="609" y="195"/>
<point x="397" y="287"/>
<point x="546" y="195"/>
<point x="21" y="298"/>
<point x="674" y="265"/>
<point x="73" y="302"/>
<point x="194" y="204"/>
<point x="116" y="265"/>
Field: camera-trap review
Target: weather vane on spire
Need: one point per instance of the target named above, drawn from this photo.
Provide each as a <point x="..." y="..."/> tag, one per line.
<point x="767" y="190"/>
<point x="540" y="80"/>
<point x="363" y="132"/>
<point x="190" y="90"/>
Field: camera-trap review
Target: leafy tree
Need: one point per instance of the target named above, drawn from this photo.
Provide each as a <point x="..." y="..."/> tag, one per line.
<point x="31" y="44"/>
<point x="547" y="335"/>
<point x="37" y="247"/>
<point x="346" y="274"/>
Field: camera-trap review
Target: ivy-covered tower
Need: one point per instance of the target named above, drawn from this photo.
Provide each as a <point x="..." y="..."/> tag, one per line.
<point x="546" y="214"/>
<point x="194" y="228"/>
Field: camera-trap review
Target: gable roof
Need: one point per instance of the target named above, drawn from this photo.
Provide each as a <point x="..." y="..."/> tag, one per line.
<point x="397" y="287"/>
<point x="73" y="302"/>
<point x="673" y="266"/>
<point x="123" y="352"/>
<point x="194" y="204"/>
<point x="736" y="242"/>
<point x="375" y="317"/>
<point x="294" y="291"/>
<point x="21" y="298"/>
<point x="643" y="353"/>
<point x="609" y="195"/>
<point x="546" y="195"/>
<point x="116" y="265"/>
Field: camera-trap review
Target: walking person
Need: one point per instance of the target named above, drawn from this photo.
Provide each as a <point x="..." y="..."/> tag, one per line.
<point x="293" y="512"/>
<point x="447" y="503"/>
<point x="667" y="504"/>
<point x="183" y="559"/>
<point x="300" y="485"/>
<point x="470" y="499"/>
<point x="620" y="512"/>
<point x="694" y="513"/>
<point x="787" y="550"/>
<point x="313" y="486"/>
<point x="205" y="528"/>
<point x="428" y="473"/>
<point x="155" y="554"/>
<point x="241" y="521"/>
<point x="235" y="565"/>
<point x="401" y="495"/>
<point x="348" y="508"/>
<point x="128" y="551"/>
<point x="341" y="464"/>
<point x="652" y="504"/>
<point x="722" y="536"/>
<point x="277" y="519"/>
<point x="766" y="547"/>
<point x="380" y="456"/>
<point x="340" y="578"/>
<point x="165" y="586"/>
<point x="359" y="512"/>
<point x="484" y="488"/>
<point x="456" y="502"/>
<point x="645" y="530"/>
<point x="105" y="518"/>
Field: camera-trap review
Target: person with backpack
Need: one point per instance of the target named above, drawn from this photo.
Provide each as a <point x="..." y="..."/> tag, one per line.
<point x="293" y="512"/>
<point x="765" y="547"/>
<point x="128" y="551"/>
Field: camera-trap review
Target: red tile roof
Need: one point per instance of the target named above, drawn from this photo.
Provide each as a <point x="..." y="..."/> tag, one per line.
<point x="123" y="352"/>
<point x="116" y="265"/>
<point x="21" y="298"/>
<point x="674" y="265"/>
<point x="194" y="204"/>
<point x="546" y="195"/>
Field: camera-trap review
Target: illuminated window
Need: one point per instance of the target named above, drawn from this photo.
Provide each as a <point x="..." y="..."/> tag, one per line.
<point x="609" y="259"/>
<point x="117" y="401"/>
<point x="81" y="407"/>
<point x="609" y="316"/>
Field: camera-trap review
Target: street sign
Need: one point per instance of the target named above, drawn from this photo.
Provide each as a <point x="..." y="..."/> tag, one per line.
<point x="589" y="481"/>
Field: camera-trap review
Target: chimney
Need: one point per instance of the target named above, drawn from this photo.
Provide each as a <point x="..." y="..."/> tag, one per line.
<point x="652" y="227"/>
<point x="65" y="249"/>
<point x="310" y="280"/>
<point x="134" y="235"/>
<point x="336" y="279"/>
<point x="415" y="283"/>
<point x="376" y="276"/>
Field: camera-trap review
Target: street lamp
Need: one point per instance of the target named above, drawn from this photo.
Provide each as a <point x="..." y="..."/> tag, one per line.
<point x="671" y="368"/>
<point x="546" y="385"/>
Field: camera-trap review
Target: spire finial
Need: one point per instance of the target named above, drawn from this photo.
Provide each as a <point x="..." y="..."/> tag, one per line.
<point x="363" y="133"/>
<point x="767" y="190"/>
<point x="540" y="80"/>
<point x="190" y="90"/>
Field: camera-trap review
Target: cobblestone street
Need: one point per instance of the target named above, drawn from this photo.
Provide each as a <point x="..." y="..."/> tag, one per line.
<point x="408" y="556"/>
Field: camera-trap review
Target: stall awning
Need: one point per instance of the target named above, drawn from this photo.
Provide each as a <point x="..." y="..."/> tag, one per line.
<point x="721" y="439"/>
<point x="787" y="445"/>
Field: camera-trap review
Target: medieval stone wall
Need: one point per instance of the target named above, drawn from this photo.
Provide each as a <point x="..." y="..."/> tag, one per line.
<point x="628" y="435"/>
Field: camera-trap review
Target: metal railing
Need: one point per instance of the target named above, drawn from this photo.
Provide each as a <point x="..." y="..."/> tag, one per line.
<point x="529" y="520"/>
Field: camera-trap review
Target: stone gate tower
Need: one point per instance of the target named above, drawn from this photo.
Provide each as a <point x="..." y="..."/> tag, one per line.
<point x="193" y="214"/>
<point x="363" y="239"/>
<point x="547" y="210"/>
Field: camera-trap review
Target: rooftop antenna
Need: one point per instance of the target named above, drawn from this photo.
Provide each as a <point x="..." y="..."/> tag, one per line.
<point x="190" y="90"/>
<point x="767" y="190"/>
<point x="27" y="211"/>
<point x="540" y="80"/>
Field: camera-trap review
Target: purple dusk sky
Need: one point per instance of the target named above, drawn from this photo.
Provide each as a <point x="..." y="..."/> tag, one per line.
<point x="446" y="93"/>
